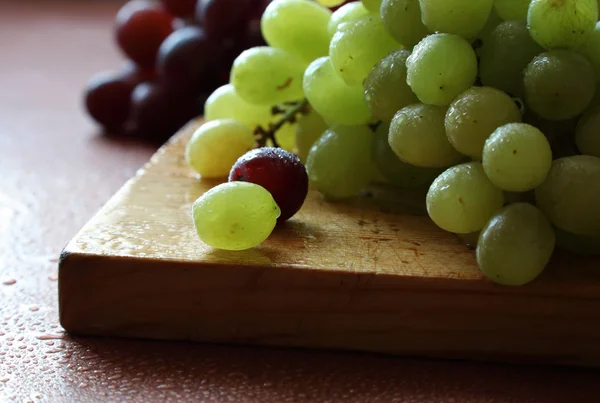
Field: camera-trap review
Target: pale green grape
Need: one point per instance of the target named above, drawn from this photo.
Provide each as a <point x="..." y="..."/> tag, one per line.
<point x="267" y="76"/>
<point x="394" y="170"/>
<point x="440" y="67"/>
<point x="562" y="23"/>
<point x="308" y="130"/>
<point x="462" y="199"/>
<point x="459" y="17"/>
<point x="330" y="3"/>
<point x="517" y="157"/>
<point x="587" y="134"/>
<point x="298" y="26"/>
<point x="224" y="103"/>
<point x="372" y="5"/>
<point x="474" y="115"/>
<point x="579" y="244"/>
<point x="386" y="90"/>
<point x="506" y="52"/>
<point x="591" y="50"/>
<point x="418" y="137"/>
<point x="559" y="84"/>
<point x="492" y="22"/>
<point x="347" y="13"/>
<point x="286" y="136"/>
<point x="339" y="163"/>
<point x="357" y="46"/>
<point x="515" y="245"/>
<point x="402" y="19"/>
<point x="335" y="101"/>
<point x="216" y="145"/>
<point x="570" y="195"/>
<point x="235" y="215"/>
<point x="512" y="9"/>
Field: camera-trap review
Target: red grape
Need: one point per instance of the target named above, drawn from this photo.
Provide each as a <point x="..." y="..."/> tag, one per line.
<point x="278" y="171"/>
<point x="137" y="75"/>
<point x="184" y="59"/>
<point x="141" y="27"/>
<point x="222" y="18"/>
<point x="180" y="8"/>
<point x="107" y="99"/>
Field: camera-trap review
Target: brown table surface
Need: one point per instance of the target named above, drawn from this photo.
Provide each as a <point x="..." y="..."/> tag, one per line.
<point x="56" y="171"/>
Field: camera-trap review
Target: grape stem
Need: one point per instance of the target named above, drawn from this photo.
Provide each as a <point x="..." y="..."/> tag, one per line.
<point x="288" y="115"/>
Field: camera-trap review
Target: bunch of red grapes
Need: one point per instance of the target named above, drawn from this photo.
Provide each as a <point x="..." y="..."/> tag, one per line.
<point x="178" y="52"/>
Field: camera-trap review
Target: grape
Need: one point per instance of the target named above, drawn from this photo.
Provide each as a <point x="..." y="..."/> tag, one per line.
<point x="267" y="76"/>
<point x="349" y="12"/>
<point x="570" y="195"/>
<point x="372" y="5"/>
<point x="286" y="136"/>
<point x="180" y="8"/>
<point x="331" y="97"/>
<point x="394" y="170"/>
<point x="402" y="19"/>
<point x="220" y="18"/>
<point x="440" y="67"/>
<point x="338" y="163"/>
<point x="140" y="29"/>
<point x="517" y="157"/>
<point x="136" y="74"/>
<point x="459" y="17"/>
<point x="308" y="130"/>
<point x="235" y="215"/>
<point x="512" y="9"/>
<point x="418" y="137"/>
<point x="216" y="145"/>
<point x="587" y="135"/>
<point x="331" y="3"/>
<point x="474" y="115"/>
<point x="107" y="99"/>
<point x="462" y="199"/>
<point x="492" y="22"/>
<point x="278" y="171"/>
<point x="516" y="245"/>
<point x="559" y="84"/>
<point x="579" y="244"/>
<point x="562" y="24"/>
<point x="184" y="58"/>
<point x="506" y="52"/>
<point x="298" y="26"/>
<point x="591" y="50"/>
<point x="386" y="90"/>
<point x="357" y="46"/>
<point x="224" y="103"/>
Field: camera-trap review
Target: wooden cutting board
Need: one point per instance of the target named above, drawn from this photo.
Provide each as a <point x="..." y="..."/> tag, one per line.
<point x="372" y="274"/>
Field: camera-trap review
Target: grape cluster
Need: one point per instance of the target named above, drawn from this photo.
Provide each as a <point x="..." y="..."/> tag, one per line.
<point x="491" y="106"/>
<point x="178" y="52"/>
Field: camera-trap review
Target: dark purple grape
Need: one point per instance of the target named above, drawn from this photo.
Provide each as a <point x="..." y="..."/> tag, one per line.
<point x="180" y="8"/>
<point x="107" y="100"/>
<point x="221" y="18"/>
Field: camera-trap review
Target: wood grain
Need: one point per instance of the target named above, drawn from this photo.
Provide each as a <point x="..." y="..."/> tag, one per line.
<point x="370" y="275"/>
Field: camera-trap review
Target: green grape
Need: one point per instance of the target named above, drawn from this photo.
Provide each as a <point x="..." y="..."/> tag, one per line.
<point x="579" y="244"/>
<point x="335" y="101"/>
<point x="462" y="199"/>
<point x="357" y="46"/>
<point x="372" y="5"/>
<point x="570" y="195"/>
<point x="297" y="26"/>
<point x="224" y="103"/>
<point x="267" y="76"/>
<point x="505" y="54"/>
<point x="515" y="245"/>
<point x="386" y="90"/>
<point x="587" y="134"/>
<point x="418" y="137"/>
<point x="512" y="9"/>
<point x="562" y="23"/>
<point x="308" y="130"/>
<point x="492" y="22"/>
<point x="559" y="84"/>
<point x="440" y="67"/>
<point x="402" y="19"/>
<point x="235" y="215"/>
<point x="591" y="50"/>
<point x="349" y="12"/>
<point x="459" y="17"/>
<point x="474" y="115"/>
<point x="216" y="145"/>
<point x="339" y="163"/>
<point x="517" y="157"/>
<point x="286" y="136"/>
<point x="394" y="170"/>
